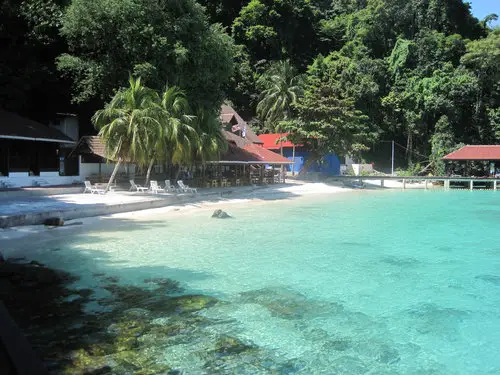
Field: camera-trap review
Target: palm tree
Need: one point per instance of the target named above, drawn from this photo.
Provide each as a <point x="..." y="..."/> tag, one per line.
<point x="128" y="123"/>
<point x="212" y="141"/>
<point x="282" y="86"/>
<point x="181" y="136"/>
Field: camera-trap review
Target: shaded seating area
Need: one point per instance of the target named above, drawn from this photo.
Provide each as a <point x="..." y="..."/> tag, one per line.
<point x="476" y="161"/>
<point x="244" y="163"/>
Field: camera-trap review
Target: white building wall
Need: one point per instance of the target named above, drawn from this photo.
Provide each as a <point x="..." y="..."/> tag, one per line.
<point x="359" y="168"/>
<point x="67" y="125"/>
<point x="23" y="179"/>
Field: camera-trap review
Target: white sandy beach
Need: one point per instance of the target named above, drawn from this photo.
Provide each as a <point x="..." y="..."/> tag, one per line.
<point x="291" y="190"/>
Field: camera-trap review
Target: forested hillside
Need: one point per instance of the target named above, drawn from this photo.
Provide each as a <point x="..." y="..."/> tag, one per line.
<point x="339" y="75"/>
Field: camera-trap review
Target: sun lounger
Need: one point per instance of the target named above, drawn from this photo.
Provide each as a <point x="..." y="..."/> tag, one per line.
<point x="93" y="189"/>
<point x="185" y="188"/>
<point x="155" y="188"/>
<point x="170" y="188"/>
<point x="137" y="188"/>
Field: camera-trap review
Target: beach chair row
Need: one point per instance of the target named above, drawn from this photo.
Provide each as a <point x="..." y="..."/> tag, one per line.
<point x="156" y="188"/>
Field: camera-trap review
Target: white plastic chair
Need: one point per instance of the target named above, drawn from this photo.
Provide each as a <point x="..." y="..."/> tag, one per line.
<point x="186" y="188"/>
<point x="92" y="189"/>
<point x="138" y="188"/>
<point x="170" y="188"/>
<point x="155" y="188"/>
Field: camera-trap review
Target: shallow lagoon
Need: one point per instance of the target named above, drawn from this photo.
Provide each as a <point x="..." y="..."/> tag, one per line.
<point x="369" y="282"/>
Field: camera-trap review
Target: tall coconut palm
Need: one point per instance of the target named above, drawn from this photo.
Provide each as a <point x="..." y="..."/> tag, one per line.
<point x="181" y="134"/>
<point x="212" y="141"/>
<point x="126" y="122"/>
<point x="282" y="86"/>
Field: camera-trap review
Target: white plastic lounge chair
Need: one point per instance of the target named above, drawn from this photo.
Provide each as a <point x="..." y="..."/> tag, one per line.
<point x="137" y="188"/>
<point x="92" y="189"/>
<point x="155" y="188"/>
<point x="186" y="188"/>
<point x="170" y="188"/>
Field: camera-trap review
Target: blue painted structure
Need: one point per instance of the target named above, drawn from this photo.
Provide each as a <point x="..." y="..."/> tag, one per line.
<point x="328" y="166"/>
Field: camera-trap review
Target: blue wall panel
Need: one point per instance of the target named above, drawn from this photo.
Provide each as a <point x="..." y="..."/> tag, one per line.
<point x="328" y="166"/>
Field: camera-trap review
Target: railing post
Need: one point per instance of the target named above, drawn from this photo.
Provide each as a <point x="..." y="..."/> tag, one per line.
<point x="381" y="182"/>
<point x="446" y="184"/>
<point x="426" y="181"/>
<point x="404" y="183"/>
<point x="495" y="185"/>
<point x="472" y="184"/>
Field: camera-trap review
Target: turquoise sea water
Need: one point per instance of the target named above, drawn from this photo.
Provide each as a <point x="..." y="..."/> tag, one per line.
<point x="368" y="282"/>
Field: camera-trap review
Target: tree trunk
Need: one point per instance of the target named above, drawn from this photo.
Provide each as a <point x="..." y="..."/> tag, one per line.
<point x="312" y="159"/>
<point x="113" y="175"/>
<point x="148" y="173"/>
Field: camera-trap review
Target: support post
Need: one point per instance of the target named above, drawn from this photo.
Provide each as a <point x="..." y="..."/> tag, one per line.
<point x="293" y="159"/>
<point x="495" y="185"/>
<point x="392" y="160"/>
<point x="426" y="182"/>
<point x="404" y="183"/>
<point x="381" y="182"/>
<point x="472" y="184"/>
<point x="446" y="184"/>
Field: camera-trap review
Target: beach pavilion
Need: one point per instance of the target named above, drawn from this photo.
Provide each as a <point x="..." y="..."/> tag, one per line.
<point x="244" y="163"/>
<point x="474" y="159"/>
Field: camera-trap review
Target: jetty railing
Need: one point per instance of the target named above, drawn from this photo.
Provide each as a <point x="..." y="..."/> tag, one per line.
<point x="469" y="182"/>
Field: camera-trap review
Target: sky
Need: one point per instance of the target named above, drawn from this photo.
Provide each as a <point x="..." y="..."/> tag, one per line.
<point x="481" y="8"/>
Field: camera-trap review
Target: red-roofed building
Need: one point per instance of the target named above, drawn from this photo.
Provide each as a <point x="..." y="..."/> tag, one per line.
<point x="329" y="165"/>
<point x="478" y="152"/>
<point x="475" y="153"/>
<point x="272" y="141"/>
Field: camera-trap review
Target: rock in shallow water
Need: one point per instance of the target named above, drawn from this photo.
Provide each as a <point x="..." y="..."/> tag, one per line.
<point x="219" y="214"/>
<point x="227" y="345"/>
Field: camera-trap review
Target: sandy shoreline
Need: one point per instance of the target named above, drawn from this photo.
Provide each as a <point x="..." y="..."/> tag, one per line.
<point x="290" y="190"/>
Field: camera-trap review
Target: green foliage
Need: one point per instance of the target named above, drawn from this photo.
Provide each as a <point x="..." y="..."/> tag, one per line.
<point x="29" y="36"/>
<point x="326" y="118"/>
<point x="281" y="88"/>
<point x="278" y="30"/>
<point x="374" y="69"/>
<point x="442" y="143"/>
<point x="141" y="126"/>
<point x="166" y="42"/>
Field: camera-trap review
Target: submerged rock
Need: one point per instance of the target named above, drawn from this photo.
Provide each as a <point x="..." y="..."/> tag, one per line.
<point x="192" y="303"/>
<point x="167" y="285"/>
<point x="227" y="345"/>
<point x="219" y="214"/>
<point x="495" y="280"/>
<point x="85" y="364"/>
<point x="288" y="304"/>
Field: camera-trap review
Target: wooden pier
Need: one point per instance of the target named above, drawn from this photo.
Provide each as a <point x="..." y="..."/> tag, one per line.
<point x="469" y="183"/>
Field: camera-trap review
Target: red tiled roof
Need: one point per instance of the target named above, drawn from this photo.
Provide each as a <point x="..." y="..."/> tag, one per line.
<point x="271" y="141"/>
<point x="478" y="152"/>
<point x="241" y="150"/>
